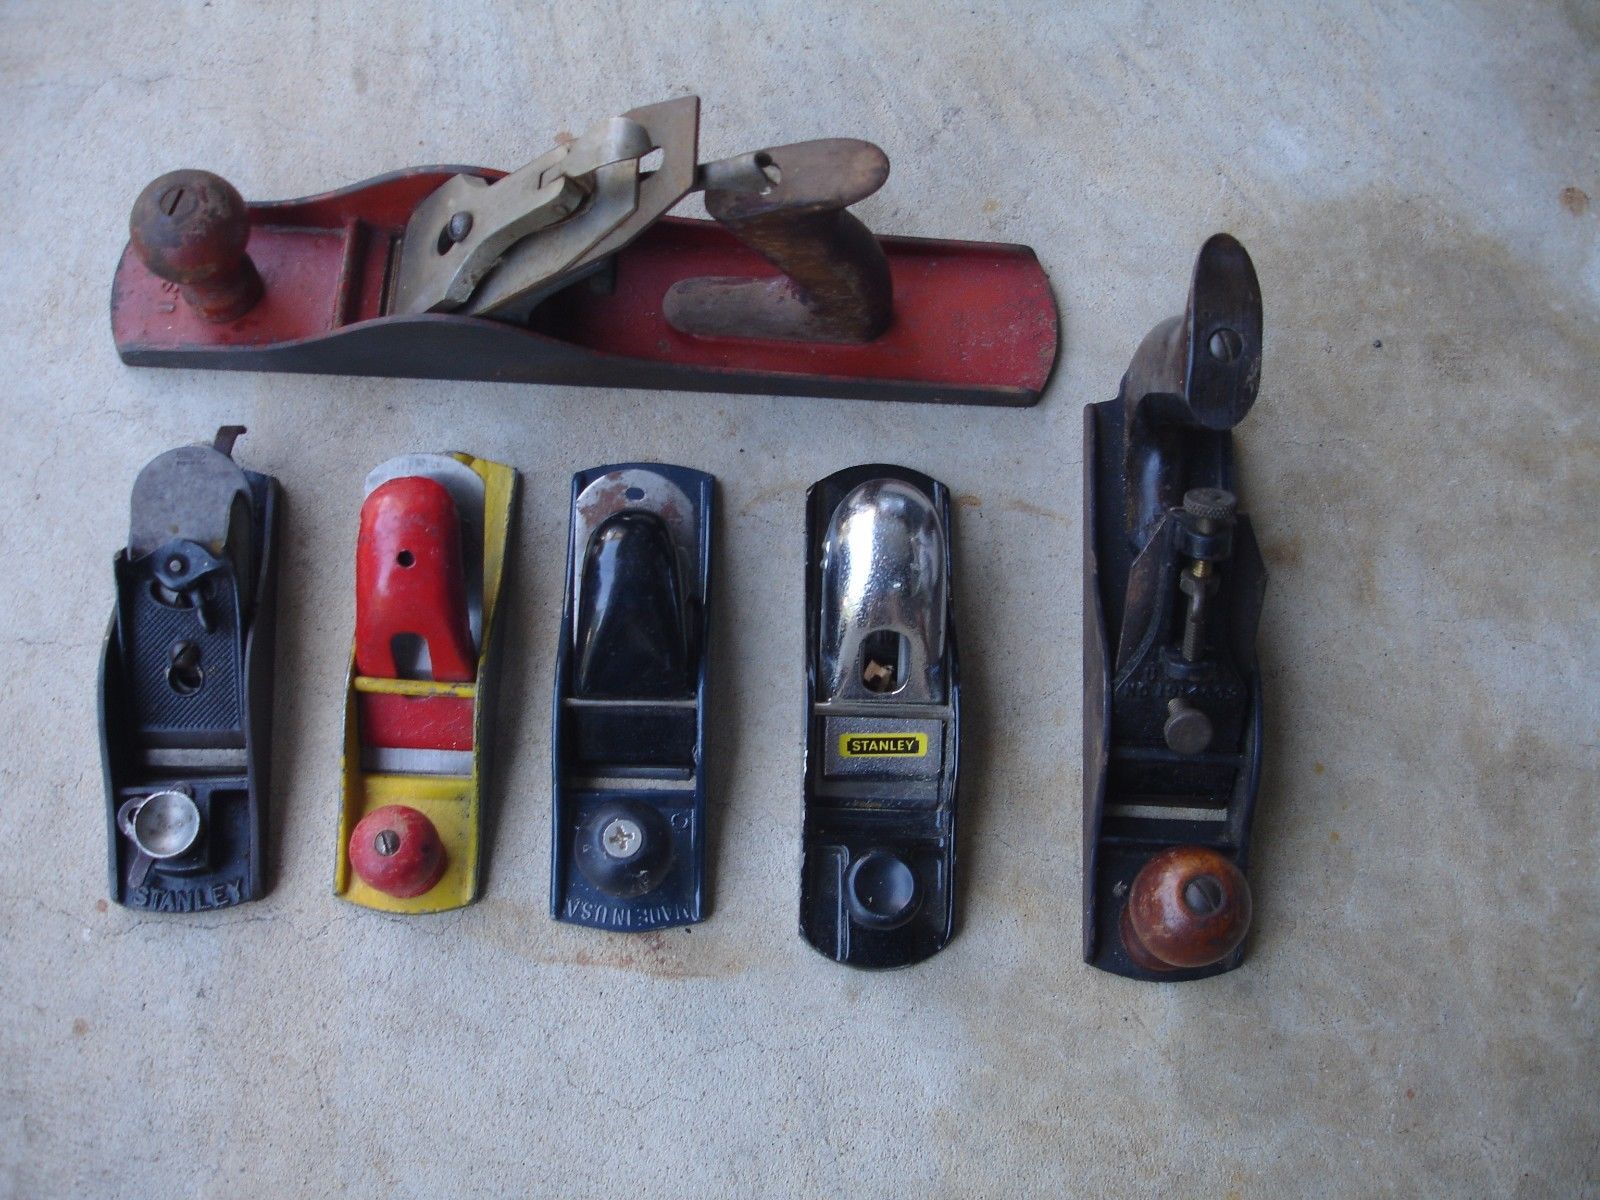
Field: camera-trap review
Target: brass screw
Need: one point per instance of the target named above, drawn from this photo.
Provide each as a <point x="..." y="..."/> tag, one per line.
<point x="1210" y="507"/>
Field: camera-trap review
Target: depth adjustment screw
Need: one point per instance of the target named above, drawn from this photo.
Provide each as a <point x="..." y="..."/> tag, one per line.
<point x="1211" y="508"/>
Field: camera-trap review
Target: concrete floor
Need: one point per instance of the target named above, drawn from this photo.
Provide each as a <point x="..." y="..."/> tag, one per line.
<point x="1418" y="1014"/>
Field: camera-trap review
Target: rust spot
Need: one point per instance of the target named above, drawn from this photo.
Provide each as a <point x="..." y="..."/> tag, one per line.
<point x="1284" y="553"/>
<point x="767" y="495"/>
<point x="650" y="954"/>
<point x="79" y="1027"/>
<point x="1035" y="510"/>
<point x="1318" y="768"/>
<point x="1575" y="200"/>
<point x="663" y="954"/>
<point x="1411" y="1093"/>
<point x="100" y="906"/>
<point x="968" y="500"/>
<point x="1333" y="837"/>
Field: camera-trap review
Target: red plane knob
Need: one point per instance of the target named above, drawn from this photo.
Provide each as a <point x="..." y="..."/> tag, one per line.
<point x="1188" y="907"/>
<point x="396" y="850"/>
<point x="190" y="228"/>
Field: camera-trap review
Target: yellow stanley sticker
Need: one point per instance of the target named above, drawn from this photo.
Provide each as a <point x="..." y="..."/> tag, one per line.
<point x="883" y="745"/>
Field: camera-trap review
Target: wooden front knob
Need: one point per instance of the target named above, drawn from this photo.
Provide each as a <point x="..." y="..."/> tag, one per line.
<point x="397" y="850"/>
<point x="191" y="228"/>
<point x="1188" y="907"/>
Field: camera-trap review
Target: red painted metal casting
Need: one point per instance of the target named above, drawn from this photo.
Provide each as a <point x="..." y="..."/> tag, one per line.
<point x="973" y="322"/>
<point x="410" y="580"/>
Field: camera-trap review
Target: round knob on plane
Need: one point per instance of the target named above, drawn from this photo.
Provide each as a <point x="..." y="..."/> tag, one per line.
<point x="396" y="850"/>
<point x="1188" y="907"/>
<point x="624" y="848"/>
<point x="881" y="890"/>
<point x="191" y="228"/>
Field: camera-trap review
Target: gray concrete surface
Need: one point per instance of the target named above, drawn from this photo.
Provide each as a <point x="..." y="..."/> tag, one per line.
<point x="1418" y="1015"/>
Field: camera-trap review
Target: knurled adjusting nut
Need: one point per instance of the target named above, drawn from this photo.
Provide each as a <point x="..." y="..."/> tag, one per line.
<point x="1210" y="504"/>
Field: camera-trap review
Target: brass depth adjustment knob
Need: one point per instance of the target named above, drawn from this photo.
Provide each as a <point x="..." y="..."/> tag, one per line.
<point x="1188" y="907"/>
<point x="190" y="228"/>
